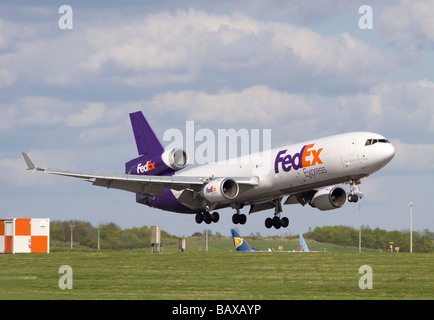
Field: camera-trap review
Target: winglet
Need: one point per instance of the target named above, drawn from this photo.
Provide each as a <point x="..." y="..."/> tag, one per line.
<point x="30" y="165"/>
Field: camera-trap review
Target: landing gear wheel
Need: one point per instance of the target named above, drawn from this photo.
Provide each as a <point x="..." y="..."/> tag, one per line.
<point x="215" y="217"/>
<point x="235" y="218"/>
<point x="207" y="217"/>
<point x="243" y="219"/>
<point x="199" y="218"/>
<point x="239" y="218"/>
<point x="268" y="223"/>
<point x="276" y="222"/>
<point x="285" y="222"/>
<point x="353" y="198"/>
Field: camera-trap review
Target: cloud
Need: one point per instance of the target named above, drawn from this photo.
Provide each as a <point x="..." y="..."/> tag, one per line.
<point x="403" y="109"/>
<point x="91" y="115"/>
<point x="181" y="45"/>
<point x="186" y="47"/>
<point x="258" y="105"/>
<point x="410" y="24"/>
<point x="413" y="157"/>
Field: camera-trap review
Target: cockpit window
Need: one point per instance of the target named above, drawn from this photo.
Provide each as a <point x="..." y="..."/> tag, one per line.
<point x="370" y="142"/>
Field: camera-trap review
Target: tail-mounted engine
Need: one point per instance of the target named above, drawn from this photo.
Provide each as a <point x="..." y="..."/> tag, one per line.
<point x="329" y="198"/>
<point x="176" y="159"/>
<point x="220" y="190"/>
<point x="165" y="164"/>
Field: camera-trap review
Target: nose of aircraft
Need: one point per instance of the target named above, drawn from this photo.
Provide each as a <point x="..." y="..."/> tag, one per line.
<point x="388" y="152"/>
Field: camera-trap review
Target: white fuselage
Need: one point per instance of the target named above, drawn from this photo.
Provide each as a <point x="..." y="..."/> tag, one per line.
<point x="303" y="166"/>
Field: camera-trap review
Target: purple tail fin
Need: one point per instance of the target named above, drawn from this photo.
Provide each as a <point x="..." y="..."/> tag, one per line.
<point x="146" y="141"/>
<point x="149" y="148"/>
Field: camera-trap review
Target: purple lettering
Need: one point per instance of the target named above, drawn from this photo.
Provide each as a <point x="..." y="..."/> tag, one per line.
<point x="298" y="160"/>
<point x="278" y="159"/>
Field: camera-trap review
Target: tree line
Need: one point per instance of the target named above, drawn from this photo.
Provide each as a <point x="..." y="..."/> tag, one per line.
<point x="373" y="238"/>
<point x="112" y="237"/>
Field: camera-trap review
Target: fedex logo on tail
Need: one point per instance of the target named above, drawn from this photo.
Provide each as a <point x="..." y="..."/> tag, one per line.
<point x="307" y="157"/>
<point x="148" y="166"/>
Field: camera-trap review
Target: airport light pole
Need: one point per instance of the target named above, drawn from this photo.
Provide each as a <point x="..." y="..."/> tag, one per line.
<point x="360" y="229"/>
<point x="71" y="226"/>
<point x="411" y="204"/>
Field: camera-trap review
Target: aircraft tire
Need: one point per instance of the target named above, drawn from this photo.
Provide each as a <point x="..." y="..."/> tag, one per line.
<point x="199" y="218"/>
<point x="268" y="223"/>
<point x="207" y="217"/>
<point x="276" y="222"/>
<point x="242" y="219"/>
<point x="284" y="222"/>
<point x="215" y="217"/>
<point x="235" y="219"/>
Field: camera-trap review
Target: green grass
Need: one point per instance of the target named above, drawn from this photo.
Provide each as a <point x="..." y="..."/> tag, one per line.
<point x="217" y="274"/>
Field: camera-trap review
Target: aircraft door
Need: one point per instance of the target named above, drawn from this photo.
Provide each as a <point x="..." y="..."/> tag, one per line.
<point x="352" y="160"/>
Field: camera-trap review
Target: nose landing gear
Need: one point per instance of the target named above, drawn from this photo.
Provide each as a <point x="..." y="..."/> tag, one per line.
<point x="355" y="192"/>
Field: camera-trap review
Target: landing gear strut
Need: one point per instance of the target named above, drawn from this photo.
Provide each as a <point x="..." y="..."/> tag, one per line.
<point x="207" y="217"/>
<point x="276" y="221"/>
<point x="354" y="190"/>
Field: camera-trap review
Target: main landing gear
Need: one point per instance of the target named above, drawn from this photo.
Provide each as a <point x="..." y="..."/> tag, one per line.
<point x="239" y="218"/>
<point x="276" y="221"/>
<point x="207" y="217"/>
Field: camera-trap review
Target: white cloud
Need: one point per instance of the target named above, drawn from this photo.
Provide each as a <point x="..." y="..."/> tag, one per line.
<point x="91" y="115"/>
<point x="184" y="47"/>
<point x="258" y="104"/>
<point x="413" y="157"/>
<point x="410" y="23"/>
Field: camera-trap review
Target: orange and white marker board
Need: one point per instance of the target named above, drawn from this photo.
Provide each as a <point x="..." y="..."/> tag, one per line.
<point x="25" y="235"/>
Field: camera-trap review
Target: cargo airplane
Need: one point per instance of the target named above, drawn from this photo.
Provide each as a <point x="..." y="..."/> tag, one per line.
<point x="302" y="173"/>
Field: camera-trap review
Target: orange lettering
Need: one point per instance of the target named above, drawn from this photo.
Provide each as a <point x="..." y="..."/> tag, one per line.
<point x="316" y="158"/>
<point x="306" y="153"/>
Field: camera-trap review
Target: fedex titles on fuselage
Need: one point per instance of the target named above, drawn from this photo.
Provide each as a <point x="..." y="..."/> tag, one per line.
<point x="307" y="157"/>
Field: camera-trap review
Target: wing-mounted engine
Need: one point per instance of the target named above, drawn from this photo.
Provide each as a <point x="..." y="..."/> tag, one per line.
<point x="220" y="190"/>
<point x="329" y="198"/>
<point x="167" y="163"/>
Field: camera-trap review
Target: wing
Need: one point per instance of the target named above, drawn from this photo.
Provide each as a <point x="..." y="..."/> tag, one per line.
<point x="151" y="185"/>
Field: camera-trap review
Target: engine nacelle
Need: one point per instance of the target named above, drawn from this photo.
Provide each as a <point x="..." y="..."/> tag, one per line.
<point x="220" y="190"/>
<point x="175" y="159"/>
<point x="165" y="164"/>
<point x="329" y="198"/>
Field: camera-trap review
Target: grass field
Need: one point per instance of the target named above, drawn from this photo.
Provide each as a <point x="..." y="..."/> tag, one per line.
<point x="217" y="274"/>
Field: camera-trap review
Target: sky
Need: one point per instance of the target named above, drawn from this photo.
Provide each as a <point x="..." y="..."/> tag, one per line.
<point x="301" y="69"/>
